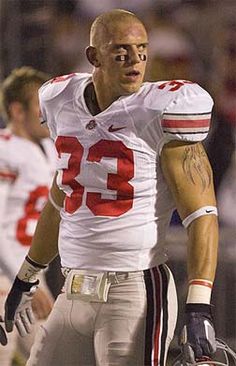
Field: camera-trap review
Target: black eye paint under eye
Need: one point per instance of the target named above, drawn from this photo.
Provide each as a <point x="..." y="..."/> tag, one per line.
<point x="142" y="57"/>
<point x="122" y="58"/>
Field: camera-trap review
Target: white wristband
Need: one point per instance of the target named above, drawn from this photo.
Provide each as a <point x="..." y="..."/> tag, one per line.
<point x="205" y="210"/>
<point x="29" y="270"/>
<point x="199" y="291"/>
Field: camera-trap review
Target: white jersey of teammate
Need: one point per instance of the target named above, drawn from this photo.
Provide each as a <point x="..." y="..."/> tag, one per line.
<point x="117" y="205"/>
<point x="26" y="173"/>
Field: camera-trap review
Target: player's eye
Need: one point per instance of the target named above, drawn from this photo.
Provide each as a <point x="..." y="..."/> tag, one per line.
<point x="120" y="48"/>
<point x="142" y="47"/>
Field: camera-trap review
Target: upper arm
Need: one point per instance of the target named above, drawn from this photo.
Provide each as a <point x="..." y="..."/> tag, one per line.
<point x="188" y="174"/>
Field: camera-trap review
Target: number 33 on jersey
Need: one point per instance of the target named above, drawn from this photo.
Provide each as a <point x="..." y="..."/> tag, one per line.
<point x="108" y="164"/>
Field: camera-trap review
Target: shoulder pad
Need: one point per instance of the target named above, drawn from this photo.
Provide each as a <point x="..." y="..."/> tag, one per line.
<point x="53" y="87"/>
<point x="187" y="116"/>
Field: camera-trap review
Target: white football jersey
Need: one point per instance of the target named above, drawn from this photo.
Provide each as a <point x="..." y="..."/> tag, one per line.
<point x="26" y="174"/>
<point x="117" y="205"/>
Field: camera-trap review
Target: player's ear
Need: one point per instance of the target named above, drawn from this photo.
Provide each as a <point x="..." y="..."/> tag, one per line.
<point x="91" y="54"/>
<point x="16" y="110"/>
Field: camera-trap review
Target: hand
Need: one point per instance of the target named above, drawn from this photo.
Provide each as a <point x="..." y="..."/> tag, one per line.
<point x="41" y="304"/>
<point x="18" y="308"/>
<point x="3" y="336"/>
<point x="198" y="335"/>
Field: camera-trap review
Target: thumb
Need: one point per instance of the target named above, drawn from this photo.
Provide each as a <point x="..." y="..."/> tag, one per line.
<point x="9" y="323"/>
<point x="3" y="337"/>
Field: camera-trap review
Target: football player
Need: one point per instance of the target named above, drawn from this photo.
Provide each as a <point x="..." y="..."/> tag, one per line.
<point x="129" y="152"/>
<point x="27" y="161"/>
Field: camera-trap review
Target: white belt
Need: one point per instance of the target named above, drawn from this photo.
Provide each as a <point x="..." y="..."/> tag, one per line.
<point x="93" y="286"/>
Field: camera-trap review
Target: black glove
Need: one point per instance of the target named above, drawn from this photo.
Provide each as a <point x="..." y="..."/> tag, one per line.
<point x="197" y="339"/>
<point x="3" y="336"/>
<point x="18" y="308"/>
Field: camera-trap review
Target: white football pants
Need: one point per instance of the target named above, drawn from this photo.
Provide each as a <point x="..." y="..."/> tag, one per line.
<point x="133" y="328"/>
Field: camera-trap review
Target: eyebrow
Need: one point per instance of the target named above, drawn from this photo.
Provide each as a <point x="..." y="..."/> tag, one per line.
<point x="130" y="44"/>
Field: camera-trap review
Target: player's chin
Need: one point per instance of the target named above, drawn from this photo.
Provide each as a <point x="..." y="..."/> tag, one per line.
<point x="44" y="133"/>
<point x="131" y="88"/>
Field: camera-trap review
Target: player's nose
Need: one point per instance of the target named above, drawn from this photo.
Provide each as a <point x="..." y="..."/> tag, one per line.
<point x="134" y="56"/>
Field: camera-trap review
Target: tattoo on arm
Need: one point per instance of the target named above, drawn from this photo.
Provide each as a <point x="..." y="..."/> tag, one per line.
<point x="196" y="166"/>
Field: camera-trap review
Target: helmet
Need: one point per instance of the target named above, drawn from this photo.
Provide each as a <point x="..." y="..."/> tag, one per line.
<point x="224" y="356"/>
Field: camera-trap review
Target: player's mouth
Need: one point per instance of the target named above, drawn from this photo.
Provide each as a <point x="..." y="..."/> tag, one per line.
<point x="133" y="75"/>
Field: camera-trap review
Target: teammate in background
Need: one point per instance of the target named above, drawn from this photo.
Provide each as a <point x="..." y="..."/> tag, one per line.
<point x="27" y="166"/>
<point x="129" y="152"/>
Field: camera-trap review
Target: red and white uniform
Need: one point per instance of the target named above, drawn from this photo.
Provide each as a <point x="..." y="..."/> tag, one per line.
<point x="114" y="219"/>
<point x="26" y="174"/>
<point x="118" y="205"/>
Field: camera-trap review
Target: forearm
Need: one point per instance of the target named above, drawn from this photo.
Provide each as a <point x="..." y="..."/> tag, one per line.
<point x="203" y="248"/>
<point x="44" y="246"/>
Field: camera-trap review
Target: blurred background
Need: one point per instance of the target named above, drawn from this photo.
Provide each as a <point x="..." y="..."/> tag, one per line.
<point x="189" y="39"/>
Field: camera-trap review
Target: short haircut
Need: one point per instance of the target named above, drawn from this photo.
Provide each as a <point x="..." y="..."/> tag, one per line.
<point x="17" y="87"/>
<point x="102" y="23"/>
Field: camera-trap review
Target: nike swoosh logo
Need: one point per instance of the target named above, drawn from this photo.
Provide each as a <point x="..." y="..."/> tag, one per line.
<point x="208" y="211"/>
<point x="114" y="129"/>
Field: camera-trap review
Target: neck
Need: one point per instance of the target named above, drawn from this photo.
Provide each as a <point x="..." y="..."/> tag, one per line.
<point x="91" y="100"/>
<point x="103" y="94"/>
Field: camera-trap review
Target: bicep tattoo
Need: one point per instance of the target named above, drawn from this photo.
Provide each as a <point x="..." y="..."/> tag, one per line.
<point x="196" y="166"/>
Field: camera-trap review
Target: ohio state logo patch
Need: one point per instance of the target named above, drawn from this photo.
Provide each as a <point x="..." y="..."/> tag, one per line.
<point x="91" y="125"/>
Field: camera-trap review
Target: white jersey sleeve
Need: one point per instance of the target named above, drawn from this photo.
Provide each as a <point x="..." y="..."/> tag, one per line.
<point x="188" y="114"/>
<point x="8" y="171"/>
<point x="47" y="92"/>
<point x="50" y="106"/>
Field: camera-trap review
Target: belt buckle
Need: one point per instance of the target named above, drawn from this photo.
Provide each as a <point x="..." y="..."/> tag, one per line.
<point x="87" y="286"/>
